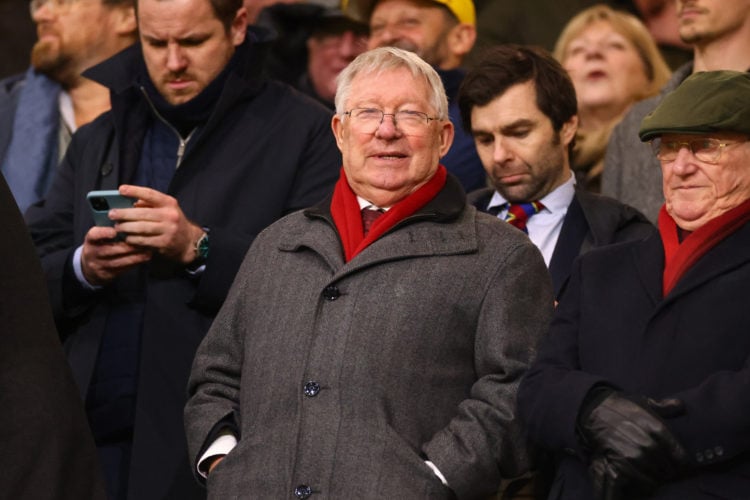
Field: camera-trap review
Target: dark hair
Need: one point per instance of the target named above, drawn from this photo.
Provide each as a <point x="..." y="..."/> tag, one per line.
<point x="504" y="66"/>
<point x="224" y="10"/>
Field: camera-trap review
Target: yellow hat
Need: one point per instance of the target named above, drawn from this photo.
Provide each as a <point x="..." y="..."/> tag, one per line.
<point x="362" y="9"/>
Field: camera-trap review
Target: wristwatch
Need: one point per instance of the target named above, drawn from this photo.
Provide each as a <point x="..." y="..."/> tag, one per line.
<point x="201" y="250"/>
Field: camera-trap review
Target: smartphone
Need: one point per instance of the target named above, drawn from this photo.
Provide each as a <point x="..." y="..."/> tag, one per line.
<point x="102" y="201"/>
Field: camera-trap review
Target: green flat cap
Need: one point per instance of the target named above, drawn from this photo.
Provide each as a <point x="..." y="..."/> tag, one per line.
<point x="709" y="101"/>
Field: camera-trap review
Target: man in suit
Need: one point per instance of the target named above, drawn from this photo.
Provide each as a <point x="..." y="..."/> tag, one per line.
<point x="520" y="106"/>
<point x="642" y="386"/>
<point x="213" y="154"/>
<point x="383" y="362"/>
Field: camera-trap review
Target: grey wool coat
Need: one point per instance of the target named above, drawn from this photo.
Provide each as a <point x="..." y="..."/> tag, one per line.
<point x="343" y="378"/>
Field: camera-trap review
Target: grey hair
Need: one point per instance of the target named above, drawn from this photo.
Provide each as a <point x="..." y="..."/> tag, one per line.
<point x="377" y="61"/>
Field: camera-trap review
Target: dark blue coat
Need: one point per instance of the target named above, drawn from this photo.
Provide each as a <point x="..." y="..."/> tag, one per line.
<point x="265" y="151"/>
<point x="613" y="326"/>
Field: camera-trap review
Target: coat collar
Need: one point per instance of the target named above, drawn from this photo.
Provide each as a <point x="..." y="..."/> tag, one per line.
<point x="648" y="258"/>
<point x="444" y="226"/>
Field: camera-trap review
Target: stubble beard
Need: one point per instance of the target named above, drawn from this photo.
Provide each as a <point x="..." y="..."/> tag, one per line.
<point x="49" y="60"/>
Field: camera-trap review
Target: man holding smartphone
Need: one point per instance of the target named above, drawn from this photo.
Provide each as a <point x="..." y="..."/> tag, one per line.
<point x="212" y="154"/>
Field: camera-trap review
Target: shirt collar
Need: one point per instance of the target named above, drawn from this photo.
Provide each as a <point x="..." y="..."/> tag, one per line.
<point x="366" y="204"/>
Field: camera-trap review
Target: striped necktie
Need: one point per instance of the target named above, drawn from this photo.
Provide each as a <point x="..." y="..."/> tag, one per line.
<point x="519" y="213"/>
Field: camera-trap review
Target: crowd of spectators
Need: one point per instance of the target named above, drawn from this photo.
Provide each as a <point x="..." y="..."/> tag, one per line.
<point x="375" y="249"/>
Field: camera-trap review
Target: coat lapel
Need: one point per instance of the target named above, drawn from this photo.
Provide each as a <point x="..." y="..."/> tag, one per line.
<point x="568" y="245"/>
<point x="648" y="260"/>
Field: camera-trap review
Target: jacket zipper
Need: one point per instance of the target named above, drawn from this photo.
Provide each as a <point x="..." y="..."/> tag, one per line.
<point x="183" y="142"/>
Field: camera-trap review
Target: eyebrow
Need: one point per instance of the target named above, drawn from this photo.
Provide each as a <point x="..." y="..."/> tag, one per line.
<point x="510" y="127"/>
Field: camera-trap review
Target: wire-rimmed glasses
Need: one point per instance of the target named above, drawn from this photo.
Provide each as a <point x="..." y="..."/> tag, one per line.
<point x="706" y="149"/>
<point x="35" y="5"/>
<point x="410" y="122"/>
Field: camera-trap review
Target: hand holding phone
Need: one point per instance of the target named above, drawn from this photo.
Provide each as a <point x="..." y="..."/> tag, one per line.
<point x="102" y="201"/>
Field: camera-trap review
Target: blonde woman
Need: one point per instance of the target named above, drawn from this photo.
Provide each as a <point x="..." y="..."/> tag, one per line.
<point x="613" y="62"/>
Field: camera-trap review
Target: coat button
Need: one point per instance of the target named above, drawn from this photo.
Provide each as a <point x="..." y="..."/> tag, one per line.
<point x="699" y="457"/>
<point x="331" y="293"/>
<point x="312" y="389"/>
<point x="106" y="169"/>
<point x="302" y="491"/>
<point x="719" y="451"/>
<point x="709" y="454"/>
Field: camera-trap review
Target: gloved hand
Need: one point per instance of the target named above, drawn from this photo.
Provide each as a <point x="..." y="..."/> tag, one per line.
<point x="632" y="449"/>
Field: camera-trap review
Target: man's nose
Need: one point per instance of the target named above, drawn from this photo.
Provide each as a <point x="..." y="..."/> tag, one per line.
<point x="41" y="11"/>
<point x="176" y="60"/>
<point x="684" y="162"/>
<point x="384" y="37"/>
<point x="348" y="45"/>
<point x="500" y="153"/>
<point x="388" y="126"/>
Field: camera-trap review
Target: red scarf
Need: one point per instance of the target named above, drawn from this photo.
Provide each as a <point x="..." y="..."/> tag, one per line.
<point x="679" y="257"/>
<point x="348" y="218"/>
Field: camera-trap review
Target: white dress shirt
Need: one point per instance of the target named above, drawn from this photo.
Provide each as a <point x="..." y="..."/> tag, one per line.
<point x="544" y="227"/>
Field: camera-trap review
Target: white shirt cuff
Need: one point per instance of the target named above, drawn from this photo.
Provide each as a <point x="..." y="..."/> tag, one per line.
<point x="437" y="472"/>
<point x="222" y="445"/>
<point x="78" y="270"/>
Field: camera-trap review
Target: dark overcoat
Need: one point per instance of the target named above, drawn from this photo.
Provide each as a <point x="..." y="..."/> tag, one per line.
<point x="346" y="376"/>
<point x="613" y="326"/>
<point x="266" y="150"/>
<point x="48" y="452"/>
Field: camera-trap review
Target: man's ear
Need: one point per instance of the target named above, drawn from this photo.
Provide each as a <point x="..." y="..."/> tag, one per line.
<point x="461" y="39"/>
<point x="124" y="21"/>
<point x="238" y="30"/>
<point x="338" y="130"/>
<point x="447" y="133"/>
<point x="568" y="130"/>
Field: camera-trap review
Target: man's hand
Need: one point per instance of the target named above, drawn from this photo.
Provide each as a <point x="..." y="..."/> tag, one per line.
<point x="633" y="450"/>
<point x="158" y="223"/>
<point x="103" y="257"/>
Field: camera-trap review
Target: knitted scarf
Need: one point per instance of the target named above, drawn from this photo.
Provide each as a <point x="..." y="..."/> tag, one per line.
<point x="679" y="257"/>
<point x="348" y="219"/>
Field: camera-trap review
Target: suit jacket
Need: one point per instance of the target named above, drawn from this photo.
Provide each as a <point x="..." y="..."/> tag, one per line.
<point x="10" y="93"/>
<point x="266" y="150"/>
<point x="632" y="174"/>
<point x="48" y="452"/>
<point x="613" y="327"/>
<point x="345" y="377"/>
<point x="592" y="221"/>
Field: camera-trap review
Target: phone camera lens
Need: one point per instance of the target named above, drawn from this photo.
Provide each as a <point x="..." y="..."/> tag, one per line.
<point x="99" y="204"/>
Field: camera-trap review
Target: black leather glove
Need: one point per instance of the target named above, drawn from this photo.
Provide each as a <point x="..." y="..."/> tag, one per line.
<point x="632" y="449"/>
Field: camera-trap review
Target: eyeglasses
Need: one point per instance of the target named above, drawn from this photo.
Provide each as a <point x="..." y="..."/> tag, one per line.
<point x="705" y="149"/>
<point x="367" y="120"/>
<point x="35" y="5"/>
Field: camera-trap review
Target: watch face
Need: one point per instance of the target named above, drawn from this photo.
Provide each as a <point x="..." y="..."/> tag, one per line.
<point x="201" y="247"/>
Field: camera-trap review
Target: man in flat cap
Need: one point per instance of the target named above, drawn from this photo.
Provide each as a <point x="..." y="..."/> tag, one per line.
<point x="642" y="386"/>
